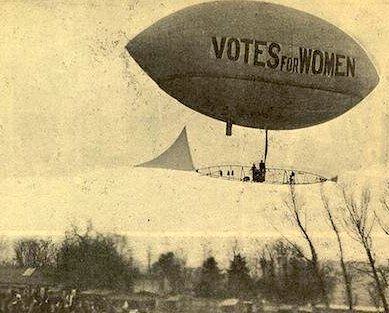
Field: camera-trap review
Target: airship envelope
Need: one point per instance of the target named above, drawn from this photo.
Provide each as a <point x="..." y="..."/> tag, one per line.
<point x="255" y="64"/>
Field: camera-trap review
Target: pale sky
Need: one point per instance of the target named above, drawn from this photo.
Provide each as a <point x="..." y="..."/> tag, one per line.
<point x="78" y="113"/>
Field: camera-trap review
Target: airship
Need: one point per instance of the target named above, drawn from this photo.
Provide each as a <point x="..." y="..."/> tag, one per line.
<point x="255" y="64"/>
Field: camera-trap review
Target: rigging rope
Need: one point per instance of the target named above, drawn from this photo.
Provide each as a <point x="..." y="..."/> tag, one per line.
<point x="266" y="145"/>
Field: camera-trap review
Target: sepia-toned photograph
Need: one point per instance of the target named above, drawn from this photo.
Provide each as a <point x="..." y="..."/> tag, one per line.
<point x="194" y="156"/>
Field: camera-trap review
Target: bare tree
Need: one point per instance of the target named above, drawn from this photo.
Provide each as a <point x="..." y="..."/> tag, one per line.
<point x="149" y="255"/>
<point x="35" y="252"/>
<point x="77" y="232"/>
<point x="5" y="250"/>
<point x="287" y="276"/>
<point x="206" y="246"/>
<point x="345" y="273"/>
<point x="182" y="256"/>
<point x="359" y="221"/>
<point x="236" y="247"/>
<point x="297" y="217"/>
<point x="383" y="219"/>
<point x="89" y="259"/>
<point x="266" y="262"/>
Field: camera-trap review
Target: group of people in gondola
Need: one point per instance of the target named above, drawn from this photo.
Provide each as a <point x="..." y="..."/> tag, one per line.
<point x="259" y="174"/>
<point x="41" y="300"/>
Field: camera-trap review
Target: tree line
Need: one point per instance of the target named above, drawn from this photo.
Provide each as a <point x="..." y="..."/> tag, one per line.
<point x="355" y="217"/>
<point x="285" y="272"/>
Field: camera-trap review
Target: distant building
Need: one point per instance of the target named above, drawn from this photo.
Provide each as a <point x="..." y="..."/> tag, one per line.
<point x="235" y="306"/>
<point x="151" y="284"/>
<point x="140" y="301"/>
<point x="13" y="277"/>
<point x="161" y="285"/>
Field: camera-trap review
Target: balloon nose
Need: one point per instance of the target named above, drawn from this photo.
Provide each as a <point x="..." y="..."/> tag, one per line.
<point x="136" y="45"/>
<point x="130" y="47"/>
<point x="136" y="48"/>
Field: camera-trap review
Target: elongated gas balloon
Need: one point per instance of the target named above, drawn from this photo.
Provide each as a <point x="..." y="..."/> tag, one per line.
<point x="255" y="64"/>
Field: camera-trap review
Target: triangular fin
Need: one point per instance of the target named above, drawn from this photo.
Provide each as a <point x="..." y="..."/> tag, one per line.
<point x="176" y="157"/>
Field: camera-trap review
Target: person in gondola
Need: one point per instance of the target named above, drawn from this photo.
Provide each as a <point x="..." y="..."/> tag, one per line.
<point x="255" y="173"/>
<point x="262" y="171"/>
<point x="292" y="178"/>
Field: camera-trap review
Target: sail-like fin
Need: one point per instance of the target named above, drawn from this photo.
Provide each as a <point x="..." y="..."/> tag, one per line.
<point x="176" y="157"/>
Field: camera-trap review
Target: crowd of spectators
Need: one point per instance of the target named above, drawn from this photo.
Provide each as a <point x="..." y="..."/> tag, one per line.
<point x="42" y="300"/>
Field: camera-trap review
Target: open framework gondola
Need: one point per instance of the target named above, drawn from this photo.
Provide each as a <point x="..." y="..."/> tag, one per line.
<point x="272" y="175"/>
